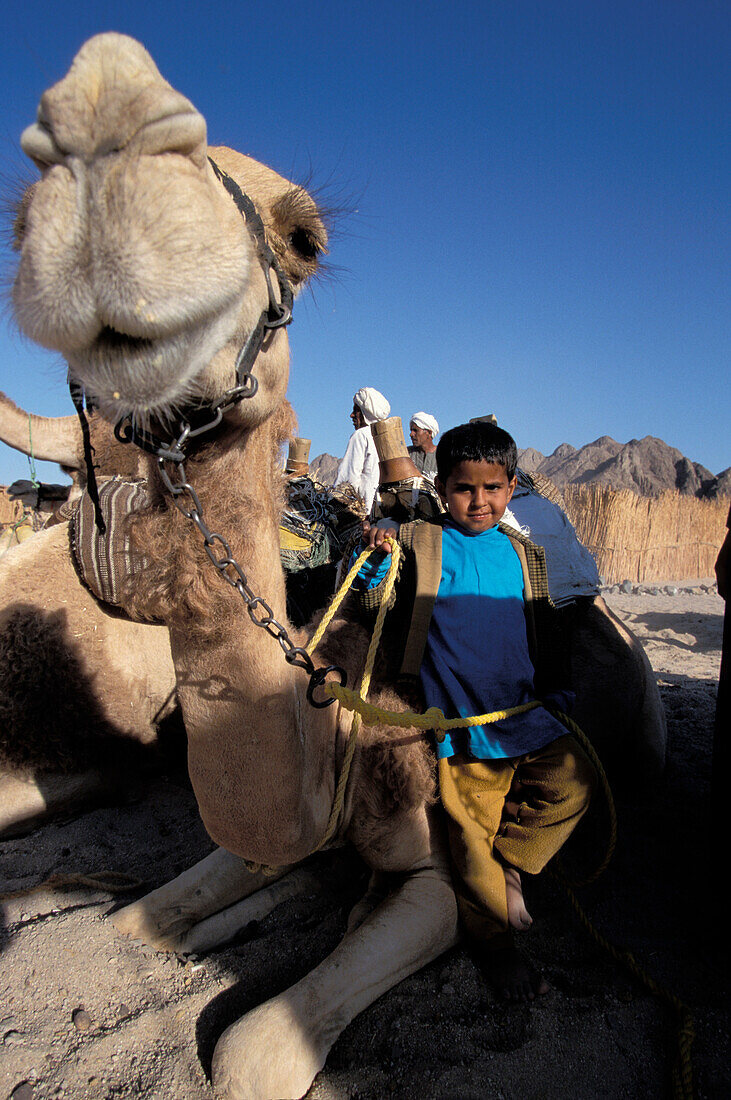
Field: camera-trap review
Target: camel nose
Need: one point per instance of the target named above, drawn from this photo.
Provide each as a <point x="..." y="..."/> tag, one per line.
<point x="113" y="98"/>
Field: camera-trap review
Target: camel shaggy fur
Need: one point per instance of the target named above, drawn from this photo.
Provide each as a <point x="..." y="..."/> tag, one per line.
<point x="138" y="267"/>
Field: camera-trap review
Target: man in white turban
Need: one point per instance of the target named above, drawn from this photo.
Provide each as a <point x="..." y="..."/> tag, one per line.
<point x="422" y="429"/>
<point x="359" y="466"/>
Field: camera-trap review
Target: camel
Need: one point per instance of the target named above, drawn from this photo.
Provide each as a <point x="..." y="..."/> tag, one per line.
<point x="147" y="336"/>
<point x="83" y="690"/>
<point x="59" y="439"/>
<point x="139" y="268"/>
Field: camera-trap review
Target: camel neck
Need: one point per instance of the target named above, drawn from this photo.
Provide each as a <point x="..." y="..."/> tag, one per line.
<point x="249" y="760"/>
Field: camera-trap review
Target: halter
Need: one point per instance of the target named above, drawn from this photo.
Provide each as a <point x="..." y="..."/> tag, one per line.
<point x="276" y="314"/>
<point x="204" y="418"/>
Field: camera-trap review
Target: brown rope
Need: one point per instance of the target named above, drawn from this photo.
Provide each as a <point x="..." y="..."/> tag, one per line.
<point x="110" y="882"/>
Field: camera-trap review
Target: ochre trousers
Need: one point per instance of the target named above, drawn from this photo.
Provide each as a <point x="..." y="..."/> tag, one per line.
<point x="546" y="793"/>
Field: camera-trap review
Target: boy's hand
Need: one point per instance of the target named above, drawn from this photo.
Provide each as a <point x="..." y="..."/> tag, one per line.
<point x="378" y="538"/>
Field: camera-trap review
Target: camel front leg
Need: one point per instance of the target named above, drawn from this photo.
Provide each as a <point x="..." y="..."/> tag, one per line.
<point x="164" y="918"/>
<point x="405" y="932"/>
<point x="223" y="926"/>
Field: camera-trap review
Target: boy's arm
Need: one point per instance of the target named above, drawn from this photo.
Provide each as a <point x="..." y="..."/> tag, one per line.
<point x="379" y="537"/>
<point x="369" y="582"/>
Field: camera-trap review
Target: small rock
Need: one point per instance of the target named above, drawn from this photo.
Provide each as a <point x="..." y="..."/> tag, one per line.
<point x="12" y="1038"/>
<point x="626" y="587"/>
<point x="23" y="1091"/>
<point x="670" y="590"/>
<point x="81" y="1019"/>
<point x="123" y="1011"/>
<point x="448" y="989"/>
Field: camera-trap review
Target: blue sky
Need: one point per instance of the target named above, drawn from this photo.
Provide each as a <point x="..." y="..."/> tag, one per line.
<point x="538" y="196"/>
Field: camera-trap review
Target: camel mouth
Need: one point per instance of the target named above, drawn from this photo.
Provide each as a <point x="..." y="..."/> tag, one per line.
<point x="119" y="343"/>
<point x="125" y="374"/>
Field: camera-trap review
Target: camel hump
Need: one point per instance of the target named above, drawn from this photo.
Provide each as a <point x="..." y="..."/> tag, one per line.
<point x="113" y="98"/>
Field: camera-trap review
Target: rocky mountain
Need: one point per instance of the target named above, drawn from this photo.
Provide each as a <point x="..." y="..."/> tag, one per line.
<point x="646" y="466"/>
<point x="324" y="468"/>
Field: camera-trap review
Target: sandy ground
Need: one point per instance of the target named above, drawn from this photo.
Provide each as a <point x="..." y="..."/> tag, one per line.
<point x="151" y="1020"/>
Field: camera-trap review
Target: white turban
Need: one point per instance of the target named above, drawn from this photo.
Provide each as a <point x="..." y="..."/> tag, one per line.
<point x="423" y="420"/>
<point x="372" y="404"/>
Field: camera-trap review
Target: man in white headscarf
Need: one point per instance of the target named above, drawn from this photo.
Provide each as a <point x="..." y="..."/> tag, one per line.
<point x="422" y="429"/>
<point x="359" y="466"/>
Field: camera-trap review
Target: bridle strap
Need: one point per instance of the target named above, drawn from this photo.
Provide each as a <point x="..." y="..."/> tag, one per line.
<point x="279" y="313"/>
<point x="77" y="396"/>
<point x="276" y="314"/>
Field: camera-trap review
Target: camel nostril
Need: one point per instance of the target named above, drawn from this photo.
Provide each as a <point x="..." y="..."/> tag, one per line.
<point x="183" y="132"/>
<point x="37" y="143"/>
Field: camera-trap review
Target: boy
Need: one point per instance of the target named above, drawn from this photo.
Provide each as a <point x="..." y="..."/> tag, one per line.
<point x="475" y="617"/>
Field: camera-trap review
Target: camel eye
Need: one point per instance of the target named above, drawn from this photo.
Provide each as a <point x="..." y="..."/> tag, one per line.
<point x="303" y="243"/>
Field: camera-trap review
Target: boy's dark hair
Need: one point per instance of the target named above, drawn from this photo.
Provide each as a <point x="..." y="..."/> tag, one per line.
<point x="476" y="442"/>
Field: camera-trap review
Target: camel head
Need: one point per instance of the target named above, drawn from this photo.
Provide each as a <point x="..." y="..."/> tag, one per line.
<point x="135" y="262"/>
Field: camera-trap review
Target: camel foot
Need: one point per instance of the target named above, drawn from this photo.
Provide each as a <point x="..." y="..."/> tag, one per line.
<point x="166" y="918"/>
<point x="271" y="1051"/>
<point x="223" y="926"/>
<point x="412" y="926"/>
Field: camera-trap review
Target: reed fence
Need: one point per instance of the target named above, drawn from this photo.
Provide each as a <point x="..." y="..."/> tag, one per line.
<point x="646" y="539"/>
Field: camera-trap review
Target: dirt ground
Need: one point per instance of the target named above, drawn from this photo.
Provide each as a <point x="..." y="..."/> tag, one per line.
<point x="150" y="1020"/>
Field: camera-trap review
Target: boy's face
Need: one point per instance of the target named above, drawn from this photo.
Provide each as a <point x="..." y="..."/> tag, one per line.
<point x="477" y="494"/>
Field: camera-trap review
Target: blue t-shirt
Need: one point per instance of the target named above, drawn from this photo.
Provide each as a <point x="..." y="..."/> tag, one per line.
<point x="476" y="658"/>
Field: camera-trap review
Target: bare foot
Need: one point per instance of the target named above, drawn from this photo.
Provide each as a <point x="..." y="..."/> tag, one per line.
<point x="511" y="976"/>
<point x="518" y="916"/>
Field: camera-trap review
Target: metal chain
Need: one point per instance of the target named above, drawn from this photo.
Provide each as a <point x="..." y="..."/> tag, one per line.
<point x="231" y="571"/>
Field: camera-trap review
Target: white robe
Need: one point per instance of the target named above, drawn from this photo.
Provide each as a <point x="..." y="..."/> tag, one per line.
<point x="359" y="466"/>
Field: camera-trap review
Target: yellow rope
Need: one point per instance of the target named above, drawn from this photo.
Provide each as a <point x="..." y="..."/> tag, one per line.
<point x="432" y="719"/>
<point x="682" y="1071"/>
<point x="342" y="783"/>
<point x="345" y="588"/>
<point x="365" y="681"/>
